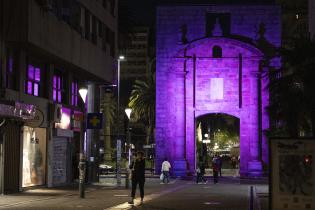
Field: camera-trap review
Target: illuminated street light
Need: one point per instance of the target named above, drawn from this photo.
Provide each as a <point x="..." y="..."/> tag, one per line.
<point x="128" y="113"/>
<point x="82" y="167"/>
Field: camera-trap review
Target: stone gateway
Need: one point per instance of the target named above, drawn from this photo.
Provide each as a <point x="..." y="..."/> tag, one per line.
<point x="210" y="60"/>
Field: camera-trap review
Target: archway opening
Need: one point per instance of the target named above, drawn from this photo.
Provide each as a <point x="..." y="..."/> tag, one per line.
<point x="218" y="134"/>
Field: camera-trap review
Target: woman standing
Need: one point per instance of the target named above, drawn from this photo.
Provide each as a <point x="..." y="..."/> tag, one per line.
<point x="137" y="169"/>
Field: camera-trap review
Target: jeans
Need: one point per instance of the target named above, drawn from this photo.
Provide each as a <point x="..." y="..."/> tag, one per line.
<point x="166" y="175"/>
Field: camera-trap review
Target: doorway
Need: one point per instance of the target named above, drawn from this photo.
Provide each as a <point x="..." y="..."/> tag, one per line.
<point x="218" y="134"/>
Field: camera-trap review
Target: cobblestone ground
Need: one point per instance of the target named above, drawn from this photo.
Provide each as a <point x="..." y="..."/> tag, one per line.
<point x="179" y="195"/>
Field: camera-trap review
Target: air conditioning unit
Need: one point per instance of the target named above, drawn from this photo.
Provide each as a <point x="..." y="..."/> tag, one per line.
<point x="55" y="113"/>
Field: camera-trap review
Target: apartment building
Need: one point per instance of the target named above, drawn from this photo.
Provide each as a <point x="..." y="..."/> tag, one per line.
<point x="49" y="49"/>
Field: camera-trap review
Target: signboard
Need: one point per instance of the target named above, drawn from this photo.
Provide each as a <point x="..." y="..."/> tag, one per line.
<point x="148" y="146"/>
<point x="37" y="121"/>
<point x="77" y="119"/>
<point x="94" y="121"/>
<point x="292" y="181"/>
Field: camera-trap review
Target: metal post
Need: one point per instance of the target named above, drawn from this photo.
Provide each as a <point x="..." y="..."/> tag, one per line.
<point x="82" y="162"/>
<point x="118" y="164"/>
<point x="127" y="167"/>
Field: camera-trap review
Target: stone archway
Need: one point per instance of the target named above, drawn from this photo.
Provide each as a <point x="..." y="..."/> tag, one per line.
<point x="196" y="83"/>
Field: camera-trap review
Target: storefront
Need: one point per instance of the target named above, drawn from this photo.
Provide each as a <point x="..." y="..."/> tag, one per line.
<point x="12" y="116"/>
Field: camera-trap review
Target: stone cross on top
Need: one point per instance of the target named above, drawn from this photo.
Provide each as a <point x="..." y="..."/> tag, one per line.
<point x="217" y="31"/>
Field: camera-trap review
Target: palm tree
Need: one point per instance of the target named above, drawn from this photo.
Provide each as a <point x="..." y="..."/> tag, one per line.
<point x="142" y="102"/>
<point x="108" y="107"/>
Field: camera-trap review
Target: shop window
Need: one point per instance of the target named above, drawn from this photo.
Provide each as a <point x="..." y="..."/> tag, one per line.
<point x="57" y="87"/>
<point x="74" y="93"/>
<point x="34" y="156"/>
<point x="33" y="80"/>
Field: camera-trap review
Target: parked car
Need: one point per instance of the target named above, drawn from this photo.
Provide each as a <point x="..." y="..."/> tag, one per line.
<point x="105" y="169"/>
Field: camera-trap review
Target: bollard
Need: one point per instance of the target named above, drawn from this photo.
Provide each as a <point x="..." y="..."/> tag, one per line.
<point x="251" y="199"/>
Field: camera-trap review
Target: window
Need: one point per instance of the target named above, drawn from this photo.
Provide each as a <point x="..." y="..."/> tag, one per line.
<point x="10" y="71"/>
<point x="112" y="43"/>
<point x="33" y="80"/>
<point x="74" y="93"/>
<point x="57" y="88"/>
<point x="217" y="52"/>
<point x="87" y="25"/>
<point x="94" y="26"/>
<point x="112" y="7"/>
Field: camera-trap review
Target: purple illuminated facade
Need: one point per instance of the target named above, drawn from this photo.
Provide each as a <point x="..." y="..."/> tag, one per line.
<point x="199" y="74"/>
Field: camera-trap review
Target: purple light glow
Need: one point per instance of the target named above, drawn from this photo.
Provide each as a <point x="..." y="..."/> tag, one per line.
<point x="30" y="74"/>
<point x="57" y="97"/>
<point x="187" y="88"/>
<point x="33" y="79"/>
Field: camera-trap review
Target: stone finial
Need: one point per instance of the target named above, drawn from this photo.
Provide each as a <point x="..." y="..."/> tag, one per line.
<point x="217" y="30"/>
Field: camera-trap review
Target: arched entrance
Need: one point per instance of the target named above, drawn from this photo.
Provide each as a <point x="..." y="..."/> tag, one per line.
<point x="218" y="134"/>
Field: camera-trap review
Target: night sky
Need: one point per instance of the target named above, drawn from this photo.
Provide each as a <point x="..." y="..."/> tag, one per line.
<point x="144" y="10"/>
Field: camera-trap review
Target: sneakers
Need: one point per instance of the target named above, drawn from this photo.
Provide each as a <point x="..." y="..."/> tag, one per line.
<point x="141" y="202"/>
<point x="131" y="202"/>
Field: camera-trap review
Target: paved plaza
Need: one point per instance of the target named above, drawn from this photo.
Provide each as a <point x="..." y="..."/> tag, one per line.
<point x="229" y="193"/>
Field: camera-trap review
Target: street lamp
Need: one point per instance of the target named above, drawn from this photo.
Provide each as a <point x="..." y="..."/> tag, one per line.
<point x="83" y="93"/>
<point x="128" y="113"/>
<point x="118" y="161"/>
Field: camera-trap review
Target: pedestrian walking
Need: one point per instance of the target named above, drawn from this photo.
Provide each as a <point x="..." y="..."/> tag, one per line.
<point x="220" y="165"/>
<point x="202" y="172"/>
<point x="165" y="169"/>
<point x="137" y="170"/>
<point x="215" y="169"/>
<point x="198" y="174"/>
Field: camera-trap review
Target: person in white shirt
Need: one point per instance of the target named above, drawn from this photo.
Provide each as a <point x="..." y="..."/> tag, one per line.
<point x="166" y="170"/>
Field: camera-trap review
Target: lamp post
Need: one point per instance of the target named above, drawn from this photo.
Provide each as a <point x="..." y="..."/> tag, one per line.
<point x="118" y="162"/>
<point x="82" y="166"/>
<point x="128" y="113"/>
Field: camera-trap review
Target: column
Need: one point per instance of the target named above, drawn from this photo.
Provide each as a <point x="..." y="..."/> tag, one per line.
<point x="254" y="164"/>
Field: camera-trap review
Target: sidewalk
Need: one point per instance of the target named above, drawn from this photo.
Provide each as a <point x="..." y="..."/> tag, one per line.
<point x="105" y="196"/>
<point x="98" y="196"/>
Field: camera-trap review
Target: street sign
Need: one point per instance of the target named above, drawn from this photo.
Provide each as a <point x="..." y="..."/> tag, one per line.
<point x="291" y="186"/>
<point x="148" y="146"/>
<point x="94" y="121"/>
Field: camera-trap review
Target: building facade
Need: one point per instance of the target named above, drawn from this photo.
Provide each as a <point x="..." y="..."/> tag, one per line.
<point x="209" y="61"/>
<point x="49" y="49"/>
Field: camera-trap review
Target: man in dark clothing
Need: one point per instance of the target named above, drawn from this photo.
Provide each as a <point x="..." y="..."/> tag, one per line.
<point x="138" y="170"/>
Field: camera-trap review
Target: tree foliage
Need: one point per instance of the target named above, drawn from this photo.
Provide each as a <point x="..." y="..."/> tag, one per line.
<point x="292" y="105"/>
